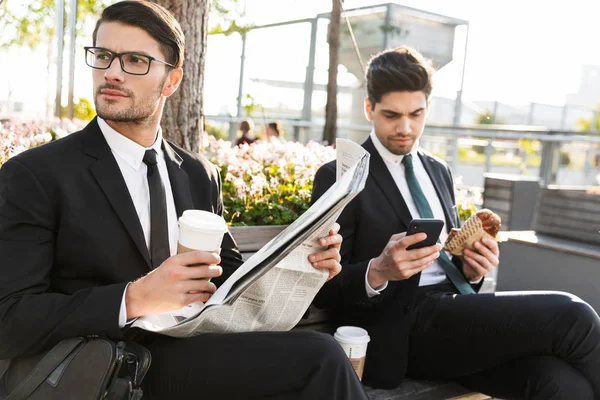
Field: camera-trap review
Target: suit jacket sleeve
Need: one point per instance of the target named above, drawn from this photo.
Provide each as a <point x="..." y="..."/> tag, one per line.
<point x="231" y="258"/>
<point x="348" y="287"/>
<point x="32" y="316"/>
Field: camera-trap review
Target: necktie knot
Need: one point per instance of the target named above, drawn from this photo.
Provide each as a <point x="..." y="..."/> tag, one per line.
<point x="407" y="161"/>
<point x="150" y="157"/>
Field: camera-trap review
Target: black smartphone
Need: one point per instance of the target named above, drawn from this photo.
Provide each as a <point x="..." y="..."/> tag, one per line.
<point x="431" y="226"/>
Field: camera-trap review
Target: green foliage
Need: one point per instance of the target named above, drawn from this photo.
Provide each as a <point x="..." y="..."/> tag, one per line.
<point x="250" y="105"/>
<point x="84" y="110"/>
<point x="587" y="125"/>
<point x="227" y="13"/>
<point x="30" y="22"/>
<point x="487" y="118"/>
<point x="217" y="133"/>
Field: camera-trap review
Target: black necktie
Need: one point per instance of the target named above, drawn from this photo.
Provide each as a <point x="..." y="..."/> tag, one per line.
<point x="159" y="228"/>
<point x="456" y="277"/>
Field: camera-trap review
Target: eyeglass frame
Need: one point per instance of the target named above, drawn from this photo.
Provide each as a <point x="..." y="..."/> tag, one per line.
<point x="119" y="55"/>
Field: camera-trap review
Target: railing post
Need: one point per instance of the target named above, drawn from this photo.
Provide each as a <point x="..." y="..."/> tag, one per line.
<point x="489" y="151"/>
<point x="550" y="161"/>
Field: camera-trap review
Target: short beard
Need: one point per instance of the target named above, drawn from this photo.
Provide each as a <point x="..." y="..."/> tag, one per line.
<point x="137" y="114"/>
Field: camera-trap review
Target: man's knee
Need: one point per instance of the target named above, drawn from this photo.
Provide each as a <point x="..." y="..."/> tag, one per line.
<point x="565" y="385"/>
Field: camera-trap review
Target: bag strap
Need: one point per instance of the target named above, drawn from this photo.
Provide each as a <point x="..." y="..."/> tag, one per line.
<point x="47" y="364"/>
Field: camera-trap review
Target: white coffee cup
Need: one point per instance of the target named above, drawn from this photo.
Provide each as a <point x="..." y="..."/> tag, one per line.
<point x="354" y="341"/>
<point x="200" y="230"/>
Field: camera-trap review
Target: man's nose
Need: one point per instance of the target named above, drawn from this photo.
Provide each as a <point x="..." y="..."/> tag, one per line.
<point x="403" y="126"/>
<point x="114" y="73"/>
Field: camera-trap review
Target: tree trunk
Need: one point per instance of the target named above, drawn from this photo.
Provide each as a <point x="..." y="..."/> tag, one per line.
<point x="183" y="117"/>
<point x="333" y="38"/>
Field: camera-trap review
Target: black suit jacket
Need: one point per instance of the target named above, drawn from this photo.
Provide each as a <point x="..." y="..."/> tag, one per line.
<point x="70" y="238"/>
<point x="367" y="224"/>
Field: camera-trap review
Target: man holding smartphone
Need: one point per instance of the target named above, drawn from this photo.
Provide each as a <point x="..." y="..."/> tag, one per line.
<point x="420" y="306"/>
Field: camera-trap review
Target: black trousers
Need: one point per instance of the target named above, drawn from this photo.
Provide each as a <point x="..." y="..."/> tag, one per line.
<point x="511" y="345"/>
<point x="267" y="365"/>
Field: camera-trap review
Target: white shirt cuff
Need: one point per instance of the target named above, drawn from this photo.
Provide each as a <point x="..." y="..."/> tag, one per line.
<point x="476" y="281"/>
<point x="370" y="291"/>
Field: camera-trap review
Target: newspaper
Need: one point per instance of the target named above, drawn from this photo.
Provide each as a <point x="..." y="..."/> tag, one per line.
<point x="272" y="290"/>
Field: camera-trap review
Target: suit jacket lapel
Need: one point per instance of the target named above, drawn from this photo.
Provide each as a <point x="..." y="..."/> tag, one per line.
<point x="435" y="172"/>
<point x="110" y="179"/>
<point x="180" y="185"/>
<point x="381" y="175"/>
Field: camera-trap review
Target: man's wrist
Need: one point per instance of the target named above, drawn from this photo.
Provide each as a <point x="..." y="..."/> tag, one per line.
<point x="132" y="301"/>
<point x="374" y="277"/>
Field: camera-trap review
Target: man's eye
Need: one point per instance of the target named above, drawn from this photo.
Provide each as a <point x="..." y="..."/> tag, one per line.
<point x="102" y="56"/>
<point x="138" y="59"/>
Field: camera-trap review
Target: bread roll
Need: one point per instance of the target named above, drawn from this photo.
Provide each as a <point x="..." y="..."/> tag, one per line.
<point x="484" y="223"/>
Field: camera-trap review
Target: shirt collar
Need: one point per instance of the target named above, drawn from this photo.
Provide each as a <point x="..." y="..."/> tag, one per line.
<point x="131" y="152"/>
<point x="387" y="155"/>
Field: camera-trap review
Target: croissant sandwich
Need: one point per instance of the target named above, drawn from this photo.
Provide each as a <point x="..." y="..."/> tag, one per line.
<point x="484" y="223"/>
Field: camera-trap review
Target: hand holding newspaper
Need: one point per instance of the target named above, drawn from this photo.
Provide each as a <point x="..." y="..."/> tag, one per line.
<point x="273" y="289"/>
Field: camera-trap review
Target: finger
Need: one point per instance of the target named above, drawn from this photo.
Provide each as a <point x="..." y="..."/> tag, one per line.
<point x="197" y="286"/>
<point x="492" y="245"/>
<point x="334" y="229"/>
<point x="332" y="253"/>
<point x="479" y="260"/>
<point x="333" y="267"/>
<point x="417" y="254"/>
<point x="421" y="263"/>
<point x="397" y="236"/>
<point x="202" y="272"/>
<point x="477" y="269"/>
<point x="410" y="240"/>
<point x="483" y="251"/>
<point x="195" y="257"/>
<point x="333" y="240"/>
<point x="202" y="297"/>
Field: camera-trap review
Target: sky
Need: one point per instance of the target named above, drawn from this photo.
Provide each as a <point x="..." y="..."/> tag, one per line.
<point x="518" y="52"/>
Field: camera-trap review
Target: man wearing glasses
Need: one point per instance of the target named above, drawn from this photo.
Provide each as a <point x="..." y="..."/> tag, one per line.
<point x="88" y="236"/>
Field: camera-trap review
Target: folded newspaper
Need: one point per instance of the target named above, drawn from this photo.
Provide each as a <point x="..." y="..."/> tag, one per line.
<point x="272" y="290"/>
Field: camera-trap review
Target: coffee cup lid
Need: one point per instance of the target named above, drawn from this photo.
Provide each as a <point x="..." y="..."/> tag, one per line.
<point x="203" y="221"/>
<point x="352" y="334"/>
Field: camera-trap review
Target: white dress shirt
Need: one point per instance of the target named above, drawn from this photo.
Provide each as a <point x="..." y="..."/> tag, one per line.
<point x="129" y="156"/>
<point x="433" y="274"/>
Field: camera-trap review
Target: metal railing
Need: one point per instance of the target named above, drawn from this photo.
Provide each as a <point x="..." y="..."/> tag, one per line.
<point x="493" y="137"/>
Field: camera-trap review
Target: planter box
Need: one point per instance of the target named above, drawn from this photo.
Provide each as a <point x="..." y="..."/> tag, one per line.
<point x="251" y="238"/>
<point x="514" y="198"/>
<point x="569" y="213"/>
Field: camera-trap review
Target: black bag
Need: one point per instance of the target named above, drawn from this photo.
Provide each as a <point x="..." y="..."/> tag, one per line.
<point x="77" y="369"/>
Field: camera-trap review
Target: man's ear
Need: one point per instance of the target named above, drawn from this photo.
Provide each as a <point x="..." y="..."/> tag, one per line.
<point x="173" y="81"/>
<point x="368" y="109"/>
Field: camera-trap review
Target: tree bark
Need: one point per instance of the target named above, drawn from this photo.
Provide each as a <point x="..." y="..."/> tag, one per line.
<point x="333" y="38"/>
<point x="183" y="117"/>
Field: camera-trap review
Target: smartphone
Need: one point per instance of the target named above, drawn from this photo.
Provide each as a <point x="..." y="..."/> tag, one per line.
<point x="431" y="226"/>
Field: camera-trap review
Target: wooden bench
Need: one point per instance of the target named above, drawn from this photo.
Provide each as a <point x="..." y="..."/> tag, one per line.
<point x="562" y="252"/>
<point x="251" y="239"/>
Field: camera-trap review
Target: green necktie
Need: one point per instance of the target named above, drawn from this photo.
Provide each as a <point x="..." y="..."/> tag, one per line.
<point x="455" y="276"/>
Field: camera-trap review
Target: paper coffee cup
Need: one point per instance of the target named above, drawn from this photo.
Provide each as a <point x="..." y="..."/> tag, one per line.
<point x="354" y="341"/>
<point x="200" y="230"/>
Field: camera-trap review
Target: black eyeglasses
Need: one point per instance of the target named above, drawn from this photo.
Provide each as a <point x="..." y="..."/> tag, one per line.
<point x="131" y="62"/>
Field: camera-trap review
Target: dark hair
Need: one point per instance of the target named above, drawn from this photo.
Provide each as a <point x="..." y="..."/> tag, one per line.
<point x="398" y="70"/>
<point x="276" y="126"/>
<point x="154" y="19"/>
<point x="246" y="125"/>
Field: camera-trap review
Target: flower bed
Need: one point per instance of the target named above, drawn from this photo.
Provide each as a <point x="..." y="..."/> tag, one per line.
<point x="268" y="182"/>
<point x="16" y="137"/>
